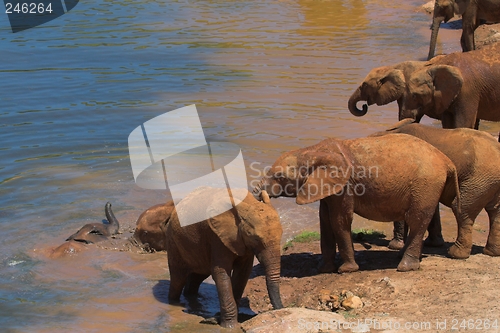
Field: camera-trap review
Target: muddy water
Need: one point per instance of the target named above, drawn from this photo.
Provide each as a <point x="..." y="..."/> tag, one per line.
<point x="268" y="76"/>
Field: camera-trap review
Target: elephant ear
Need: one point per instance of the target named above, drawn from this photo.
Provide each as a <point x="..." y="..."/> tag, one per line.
<point x="447" y="82"/>
<point x="225" y="226"/>
<point x="391" y="87"/>
<point x="329" y="175"/>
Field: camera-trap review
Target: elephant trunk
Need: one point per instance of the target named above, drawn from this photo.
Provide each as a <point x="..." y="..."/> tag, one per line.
<point x="355" y="98"/>
<point x="435" y="28"/>
<point x="270" y="258"/>
<point x="113" y="226"/>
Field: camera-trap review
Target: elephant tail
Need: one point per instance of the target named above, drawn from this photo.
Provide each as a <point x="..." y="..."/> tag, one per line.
<point x="452" y="189"/>
<point x="113" y="226"/>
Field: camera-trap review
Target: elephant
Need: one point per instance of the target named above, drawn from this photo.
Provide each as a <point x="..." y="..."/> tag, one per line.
<point x="459" y="89"/>
<point x="223" y="246"/>
<point x="472" y="12"/>
<point x="373" y="177"/>
<point x="151" y="226"/>
<point x="384" y="85"/>
<point x="67" y="249"/>
<point x="97" y="232"/>
<point x="475" y="155"/>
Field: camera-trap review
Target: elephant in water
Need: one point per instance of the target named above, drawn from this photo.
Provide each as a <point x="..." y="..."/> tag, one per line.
<point x="97" y="232"/>
<point x="222" y="246"/>
<point x="472" y="12"/>
<point x="379" y="178"/>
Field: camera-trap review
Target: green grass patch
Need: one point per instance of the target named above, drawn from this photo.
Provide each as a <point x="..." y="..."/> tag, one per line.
<point x="303" y="237"/>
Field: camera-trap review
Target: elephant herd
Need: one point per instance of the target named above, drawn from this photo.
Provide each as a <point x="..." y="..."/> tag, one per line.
<point x="399" y="175"/>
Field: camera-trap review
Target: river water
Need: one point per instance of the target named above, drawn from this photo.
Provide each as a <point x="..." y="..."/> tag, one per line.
<point x="268" y="76"/>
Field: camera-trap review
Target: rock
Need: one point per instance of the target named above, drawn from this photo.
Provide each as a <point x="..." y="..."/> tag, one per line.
<point x="324" y="295"/>
<point x="294" y="320"/>
<point x="328" y="301"/>
<point x="486" y="34"/>
<point x="428" y="7"/>
<point x="346" y="293"/>
<point x="353" y="302"/>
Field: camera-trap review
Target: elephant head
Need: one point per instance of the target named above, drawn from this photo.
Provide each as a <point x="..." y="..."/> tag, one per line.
<point x="257" y="228"/>
<point x="97" y="232"/>
<point x="383" y="85"/>
<point x="308" y="174"/>
<point x="430" y="91"/>
<point x="151" y="227"/>
<point x="444" y="10"/>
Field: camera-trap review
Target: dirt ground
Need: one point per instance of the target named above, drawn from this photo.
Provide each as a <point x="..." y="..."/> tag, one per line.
<point x="444" y="295"/>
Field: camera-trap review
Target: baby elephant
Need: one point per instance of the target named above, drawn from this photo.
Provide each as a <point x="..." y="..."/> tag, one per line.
<point x="97" y="232"/>
<point x="222" y="246"/>
<point x="380" y="178"/>
<point x="476" y="156"/>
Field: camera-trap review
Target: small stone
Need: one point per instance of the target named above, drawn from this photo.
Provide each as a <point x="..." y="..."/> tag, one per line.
<point x="353" y="302"/>
<point x="324" y="295"/>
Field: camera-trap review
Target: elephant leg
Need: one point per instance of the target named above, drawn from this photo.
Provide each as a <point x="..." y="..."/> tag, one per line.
<point x="241" y="272"/>
<point x="492" y="247"/>
<point x="418" y="221"/>
<point x="222" y="264"/>
<point x="476" y="125"/>
<point x="463" y="115"/>
<point x="435" y="236"/>
<point x="448" y="120"/>
<point x="193" y="283"/>
<point x="463" y="244"/>
<point x="400" y="232"/>
<point x="178" y="279"/>
<point x="469" y="24"/>
<point x="340" y="209"/>
<point x="327" y="239"/>
<point x="178" y="275"/>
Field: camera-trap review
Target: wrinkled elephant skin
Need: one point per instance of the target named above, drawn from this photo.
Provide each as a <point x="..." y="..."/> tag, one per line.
<point x="372" y="177"/>
<point x="476" y="155"/>
<point x="223" y="246"/>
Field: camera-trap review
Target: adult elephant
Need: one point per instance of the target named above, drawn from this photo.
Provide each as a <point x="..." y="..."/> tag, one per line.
<point x="384" y="85"/>
<point x="222" y="246"/>
<point x="459" y="89"/>
<point x="475" y="155"/>
<point x="472" y="11"/>
<point x="372" y="177"/>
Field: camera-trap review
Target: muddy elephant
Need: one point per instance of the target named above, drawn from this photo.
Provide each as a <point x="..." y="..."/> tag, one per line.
<point x="151" y="227"/>
<point x="384" y="85"/>
<point x="97" y="232"/>
<point x="471" y="11"/>
<point x="459" y="89"/>
<point x="476" y="155"/>
<point x="372" y="177"/>
<point x="223" y="246"/>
